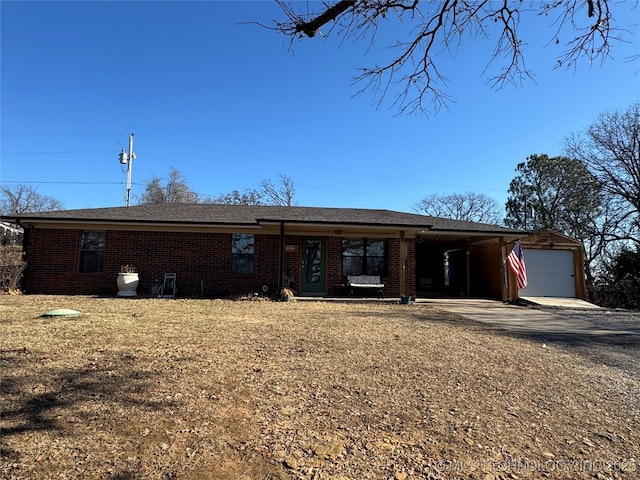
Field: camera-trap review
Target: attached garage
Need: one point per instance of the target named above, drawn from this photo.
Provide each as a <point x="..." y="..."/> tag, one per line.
<point x="550" y="274"/>
<point x="555" y="267"/>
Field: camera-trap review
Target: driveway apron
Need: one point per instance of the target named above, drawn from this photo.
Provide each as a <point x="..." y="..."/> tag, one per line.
<point x="520" y="318"/>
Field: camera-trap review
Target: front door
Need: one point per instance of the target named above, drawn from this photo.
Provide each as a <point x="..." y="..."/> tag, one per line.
<point x="313" y="281"/>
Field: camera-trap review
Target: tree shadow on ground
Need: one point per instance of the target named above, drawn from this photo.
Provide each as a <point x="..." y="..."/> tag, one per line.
<point x="38" y="396"/>
<point x="88" y="406"/>
<point x="32" y="390"/>
<point x="617" y="349"/>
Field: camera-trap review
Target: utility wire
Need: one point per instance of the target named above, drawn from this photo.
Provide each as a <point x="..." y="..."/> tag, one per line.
<point x="249" y="155"/>
<point x="38" y="182"/>
<point x="319" y="167"/>
<point x="55" y="153"/>
<point x="23" y="134"/>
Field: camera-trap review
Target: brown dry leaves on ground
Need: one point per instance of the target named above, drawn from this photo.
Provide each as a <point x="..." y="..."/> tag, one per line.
<point x="196" y="389"/>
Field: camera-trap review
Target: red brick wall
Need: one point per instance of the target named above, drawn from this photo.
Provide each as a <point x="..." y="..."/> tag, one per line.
<point x="292" y="261"/>
<point x="392" y="281"/>
<point x="333" y="267"/>
<point x="201" y="261"/>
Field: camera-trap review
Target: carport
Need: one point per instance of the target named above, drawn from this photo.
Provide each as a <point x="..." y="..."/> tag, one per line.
<point x="465" y="264"/>
<point x="471" y="263"/>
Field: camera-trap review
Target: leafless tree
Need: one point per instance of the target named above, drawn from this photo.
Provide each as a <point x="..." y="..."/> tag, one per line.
<point x="14" y="200"/>
<point x="434" y="27"/>
<point x="270" y="193"/>
<point x="470" y="207"/>
<point x="610" y="148"/>
<point x="248" y="197"/>
<point x="23" y="198"/>
<point x="279" y="193"/>
<point x="176" y="190"/>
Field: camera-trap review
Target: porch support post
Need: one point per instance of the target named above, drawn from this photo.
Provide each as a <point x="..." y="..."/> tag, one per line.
<point x="403" y="265"/>
<point x="468" y="268"/>
<point x="281" y="272"/>
<point x="503" y="269"/>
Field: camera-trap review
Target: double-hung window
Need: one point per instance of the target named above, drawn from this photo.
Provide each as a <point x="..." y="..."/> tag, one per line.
<point x="242" y="253"/>
<point x="363" y="256"/>
<point x="92" y="251"/>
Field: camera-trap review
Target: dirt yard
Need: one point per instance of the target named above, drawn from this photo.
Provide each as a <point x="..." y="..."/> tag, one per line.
<point x="203" y="389"/>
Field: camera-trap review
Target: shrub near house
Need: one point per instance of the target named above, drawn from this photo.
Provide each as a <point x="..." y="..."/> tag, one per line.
<point x="11" y="267"/>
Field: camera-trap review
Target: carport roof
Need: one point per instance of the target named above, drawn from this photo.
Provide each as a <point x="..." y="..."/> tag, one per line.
<point x="250" y="215"/>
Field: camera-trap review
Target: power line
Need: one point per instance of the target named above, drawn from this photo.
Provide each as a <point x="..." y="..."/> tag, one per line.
<point x="37" y="182"/>
<point x="54" y="153"/>
<point x="23" y="134"/>
<point x="319" y="167"/>
<point x="413" y="180"/>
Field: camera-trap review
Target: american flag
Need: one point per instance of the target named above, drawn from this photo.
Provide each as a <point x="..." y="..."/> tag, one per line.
<point x="516" y="263"/>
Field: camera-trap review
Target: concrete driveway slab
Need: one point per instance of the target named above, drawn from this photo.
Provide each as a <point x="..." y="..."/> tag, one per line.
<point x="523" y="319"/>
<point x="560" y="302"/>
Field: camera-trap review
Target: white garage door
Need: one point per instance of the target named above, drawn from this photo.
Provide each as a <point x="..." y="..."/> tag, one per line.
<point x="550" y="273"/>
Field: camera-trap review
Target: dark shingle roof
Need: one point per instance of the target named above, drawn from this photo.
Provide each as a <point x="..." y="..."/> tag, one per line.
<point x="215" y="214"/>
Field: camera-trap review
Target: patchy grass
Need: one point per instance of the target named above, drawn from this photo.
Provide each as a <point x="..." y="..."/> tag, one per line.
<point x="195" y="389"/>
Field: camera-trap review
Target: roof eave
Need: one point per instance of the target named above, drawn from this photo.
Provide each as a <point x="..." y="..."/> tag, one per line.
<point x="149" y="223"/>
<point x="449" y="231"/>
<point x="316" y="223"/>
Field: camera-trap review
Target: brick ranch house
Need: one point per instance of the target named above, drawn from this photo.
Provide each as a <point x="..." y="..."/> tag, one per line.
<point x="235" y="249"/>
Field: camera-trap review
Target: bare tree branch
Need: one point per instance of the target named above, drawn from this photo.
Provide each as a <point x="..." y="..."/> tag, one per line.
<point x="23" y="198"/>
<point x="309" y="28"/>
<point x="610" y="147"/>
<point x="175" y="190"/>
<point x="469" y="206"/>
<point x="432" y="26"/>
<point x="279" y="193"/>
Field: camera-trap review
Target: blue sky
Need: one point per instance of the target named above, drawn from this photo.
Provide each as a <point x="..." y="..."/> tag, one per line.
<point x="229" y="104"/>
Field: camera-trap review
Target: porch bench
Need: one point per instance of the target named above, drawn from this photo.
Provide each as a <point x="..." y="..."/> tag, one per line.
<point x="366" y="283"/>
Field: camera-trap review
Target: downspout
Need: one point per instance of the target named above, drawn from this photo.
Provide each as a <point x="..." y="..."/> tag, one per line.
<point x="281" y="273"/>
